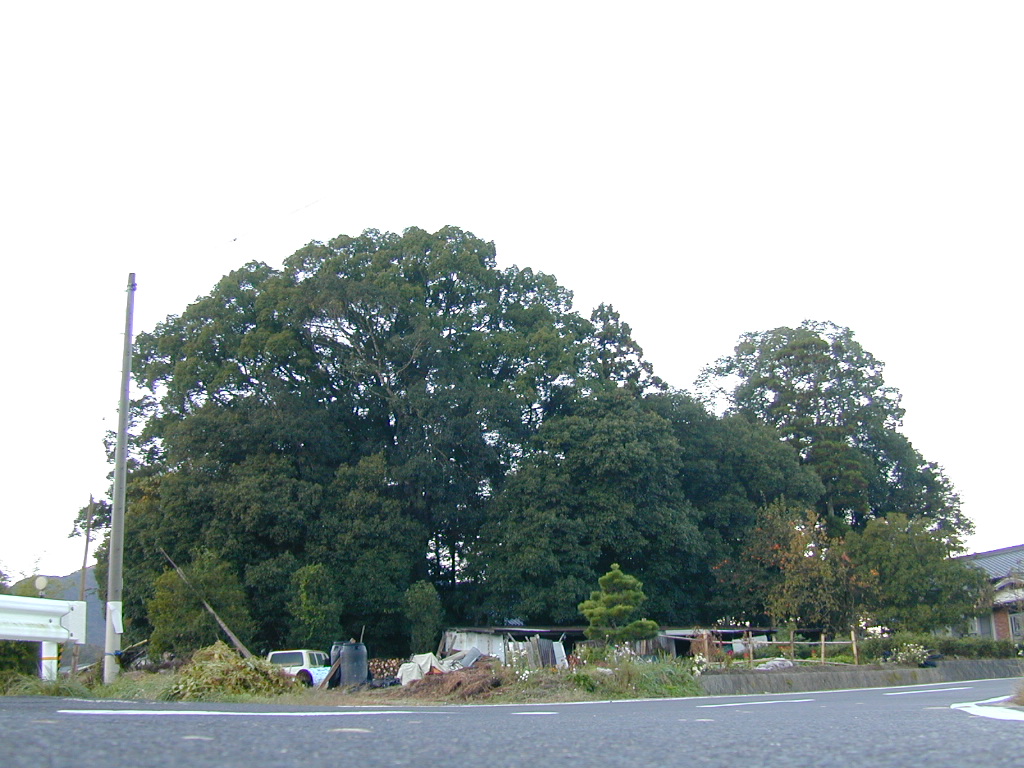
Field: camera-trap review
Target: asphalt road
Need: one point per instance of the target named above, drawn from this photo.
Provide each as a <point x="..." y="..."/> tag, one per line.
<point x="910" y="726"/>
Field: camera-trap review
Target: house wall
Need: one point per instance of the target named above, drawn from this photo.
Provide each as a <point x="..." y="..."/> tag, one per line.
<point x="1001" y="623"/>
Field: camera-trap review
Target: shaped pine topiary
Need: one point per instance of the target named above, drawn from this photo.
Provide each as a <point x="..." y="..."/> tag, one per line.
<point x="611" y="609"/>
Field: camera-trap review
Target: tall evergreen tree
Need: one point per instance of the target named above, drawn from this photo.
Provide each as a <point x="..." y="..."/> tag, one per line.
<point x="826" y="396"/>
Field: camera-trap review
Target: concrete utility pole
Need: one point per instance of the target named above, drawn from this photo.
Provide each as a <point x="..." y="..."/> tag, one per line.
<point x="114" y="577"/>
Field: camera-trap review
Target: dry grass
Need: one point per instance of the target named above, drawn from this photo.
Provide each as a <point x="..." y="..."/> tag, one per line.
<point x="462" y="684"/>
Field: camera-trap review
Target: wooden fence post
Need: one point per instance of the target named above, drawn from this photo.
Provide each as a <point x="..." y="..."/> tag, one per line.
<point x="856" y="651"/>
<point x="822" y="646"/>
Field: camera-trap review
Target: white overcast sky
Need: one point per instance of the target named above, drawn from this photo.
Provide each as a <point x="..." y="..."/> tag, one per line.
<point x="707" y="168"/>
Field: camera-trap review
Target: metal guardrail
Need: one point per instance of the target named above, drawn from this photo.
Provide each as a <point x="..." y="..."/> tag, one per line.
<point x="49" y="622"/>
<point x="41" y="620"/>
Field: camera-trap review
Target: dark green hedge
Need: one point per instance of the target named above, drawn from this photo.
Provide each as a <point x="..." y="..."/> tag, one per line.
<point x="876" y="648"/>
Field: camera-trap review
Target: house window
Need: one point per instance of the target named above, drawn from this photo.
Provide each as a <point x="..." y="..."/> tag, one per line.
<point x="981" y="626"/>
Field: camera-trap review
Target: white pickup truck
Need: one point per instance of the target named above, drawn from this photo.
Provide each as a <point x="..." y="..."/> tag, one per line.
<point x="308" y="667"/>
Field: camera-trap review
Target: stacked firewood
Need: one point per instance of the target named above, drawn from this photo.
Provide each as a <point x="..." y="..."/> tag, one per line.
<point x="384" y="668"/>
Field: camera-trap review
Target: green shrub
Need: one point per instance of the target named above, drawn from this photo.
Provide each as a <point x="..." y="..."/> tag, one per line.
<point x="606" y="672"/>
<point x="909" y="654"/>
<point x="582" y="680"/>
<point x="21" y="657"/>
<point x="637" y="678"/>
<point x="877" y="648"/>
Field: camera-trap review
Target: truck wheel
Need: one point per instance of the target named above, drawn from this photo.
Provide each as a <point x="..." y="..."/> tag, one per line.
<point x="304" y="678"/>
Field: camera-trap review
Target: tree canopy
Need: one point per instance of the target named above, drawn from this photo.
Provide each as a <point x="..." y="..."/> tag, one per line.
<point x="392" y="418"/>
<point x="916" y="585"/>
<point x="826" y="397"/>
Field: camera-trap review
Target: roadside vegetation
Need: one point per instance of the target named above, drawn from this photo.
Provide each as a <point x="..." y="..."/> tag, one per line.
<point x="596" y="673"/>
<point x="219" y="674"/>
<point x="947" y="647"/>
<point x="606" y="667"/>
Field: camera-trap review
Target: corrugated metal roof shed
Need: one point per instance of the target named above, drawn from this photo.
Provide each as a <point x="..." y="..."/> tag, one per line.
<point x="999" y="563"/>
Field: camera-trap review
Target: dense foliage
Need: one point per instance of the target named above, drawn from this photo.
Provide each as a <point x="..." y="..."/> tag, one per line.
<point x="17" y="657"/>
<point x="825" y="395"/>
<point x="425" y="614"/>
<point x="394" y="410"/>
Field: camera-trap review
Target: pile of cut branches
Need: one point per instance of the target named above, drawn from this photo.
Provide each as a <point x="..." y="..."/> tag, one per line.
<point x="217" y="671"/>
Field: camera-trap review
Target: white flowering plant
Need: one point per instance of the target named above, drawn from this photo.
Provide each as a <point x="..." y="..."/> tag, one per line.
<point x="910" y="654"/>
<point x="699" y="664"/>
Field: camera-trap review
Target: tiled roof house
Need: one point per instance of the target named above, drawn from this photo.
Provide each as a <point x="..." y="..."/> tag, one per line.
<point x="1005" y="569"/>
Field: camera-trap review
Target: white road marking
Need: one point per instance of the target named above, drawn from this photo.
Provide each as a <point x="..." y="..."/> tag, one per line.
<point x="534" y="713"/>
<point x="350" y="730"/>
<point x="933" y="690"/>
<point x="217" y="713"/>
<point x="197" y="738"/>
<point x="754" y="703"/>
<point x="996" y="713"/>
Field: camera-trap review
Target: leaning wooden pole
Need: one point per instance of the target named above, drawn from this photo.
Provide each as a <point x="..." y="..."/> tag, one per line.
<point x="75" y="653"/>
<point x="239" y="645"/>
<point x="115" y="580"/>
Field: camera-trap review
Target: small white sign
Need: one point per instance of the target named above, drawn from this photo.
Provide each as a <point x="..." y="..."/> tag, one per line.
<point x="114" y="616"/>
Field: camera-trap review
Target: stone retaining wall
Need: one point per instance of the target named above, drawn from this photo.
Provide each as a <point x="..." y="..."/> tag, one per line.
<point x="824" y="678"/>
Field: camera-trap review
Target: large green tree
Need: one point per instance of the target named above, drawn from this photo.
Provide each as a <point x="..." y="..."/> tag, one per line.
<point x="730" y="469"/>
<point x="817" y="584"/>
<point x="181" y="621"/>
<point x="918" y="586"/>
<point x="599" y="485"/>
<point x="391" y="409"/>
<point x="897" y="573"/>
<point x="827" y="398"/>
<point x="358" y="408"/>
